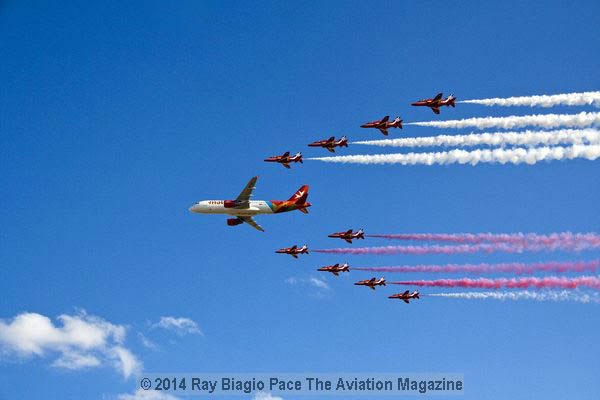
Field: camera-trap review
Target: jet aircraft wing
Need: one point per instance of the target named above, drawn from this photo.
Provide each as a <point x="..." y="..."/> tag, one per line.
<point x="438" y="97"/>
<point x="406" y="301"/>
<point x="286" y="165"/>
<point x="331" y="150"/>
<point x="435" y="110"/>
<point x="252" y="223"/>
<point x="383" y="130"/>
<point x="335" y="273"/>
<point x="243" y="200"/>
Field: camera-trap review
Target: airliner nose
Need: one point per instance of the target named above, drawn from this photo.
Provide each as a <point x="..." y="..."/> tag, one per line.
<point x="193" y="208"/>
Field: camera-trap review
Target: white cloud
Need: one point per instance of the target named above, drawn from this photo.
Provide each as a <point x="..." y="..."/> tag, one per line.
<point x="312" y="281"/>
<point x="141" y="394"/>
<point x="291" y="280"/>
<point x="266" y="396"/>
<point x="181" y="326"/>
<point x="149" y="344"/>
<point x="125" y="361"/>
<point x="319" y="283"/>
<point x="318" y="287"/>
<point x="83" y="341"/>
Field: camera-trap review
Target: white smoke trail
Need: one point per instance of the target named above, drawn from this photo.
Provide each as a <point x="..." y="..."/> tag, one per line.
<point x="567" y="99"/>
<point x="562" y="295"/>
<point x="548" y="121"/>
<point x="502" y="156"/>
<point x="524" y="138"/>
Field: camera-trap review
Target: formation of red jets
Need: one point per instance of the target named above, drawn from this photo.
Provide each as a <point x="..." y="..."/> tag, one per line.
<point x="336" y="269"/>
<point x="382" y="125"/>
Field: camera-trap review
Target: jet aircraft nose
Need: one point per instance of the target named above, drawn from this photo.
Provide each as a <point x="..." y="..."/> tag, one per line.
<point x="194" y="208"/>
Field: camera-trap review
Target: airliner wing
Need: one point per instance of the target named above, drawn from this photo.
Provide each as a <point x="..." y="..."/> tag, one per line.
<point x="252" y="223"/>
<point x="243" y="200"/>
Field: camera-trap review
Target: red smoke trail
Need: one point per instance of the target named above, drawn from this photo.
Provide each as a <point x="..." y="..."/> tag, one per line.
<point x="517" y="268"/>
<point x="512" y="238"/>
<point x="512" y="283"/>
<point x="465" y="248"/>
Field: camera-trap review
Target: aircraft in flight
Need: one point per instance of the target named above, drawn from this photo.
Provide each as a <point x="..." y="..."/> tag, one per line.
<point x="293" y="251"/>
<point x="285" y="159"/>
<point x="243" y="209"/>
<point x="405" y="296"/>
<point x="371" y="282"/>
<point x="436" y="102"/>
<point x="348" y="235"/>
<point x="335" y="269"/>
<point x="331" y="143"/>
<point x="384" y="124"/>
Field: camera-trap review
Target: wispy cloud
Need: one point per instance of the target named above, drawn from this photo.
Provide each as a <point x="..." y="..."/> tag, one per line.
<point x="179" y="325"/>
<point x="141" y="394"/>
<point x="266" y="396"/>
<point x="317" y="287"/>
<point x="82" y="341"/>
<point x="318" y="283"/>
<point x="149" y="344"/>
<point x="311" y="281"/>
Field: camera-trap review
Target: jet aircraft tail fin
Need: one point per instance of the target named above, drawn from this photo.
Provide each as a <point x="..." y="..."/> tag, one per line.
<point x="300" y="196"/>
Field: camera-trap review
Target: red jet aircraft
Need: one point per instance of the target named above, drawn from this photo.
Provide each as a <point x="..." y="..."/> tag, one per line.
<point x="371" y="282"/>
<point x="293" y="251"/>
<point x="335" y="269"/>
<point x="383" y="124"/>
<point x="405" y="296"/>
<point x="436" y="102"/>
<point x="348" y="235"/>
<point x="330" y="143"/>
<point x="285" y="159"/>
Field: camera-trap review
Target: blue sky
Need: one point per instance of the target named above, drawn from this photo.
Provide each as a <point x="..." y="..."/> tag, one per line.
<point x="115" y="118"/>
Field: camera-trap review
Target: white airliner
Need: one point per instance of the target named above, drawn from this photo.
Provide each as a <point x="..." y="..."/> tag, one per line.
<point x="244" y="209"/>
